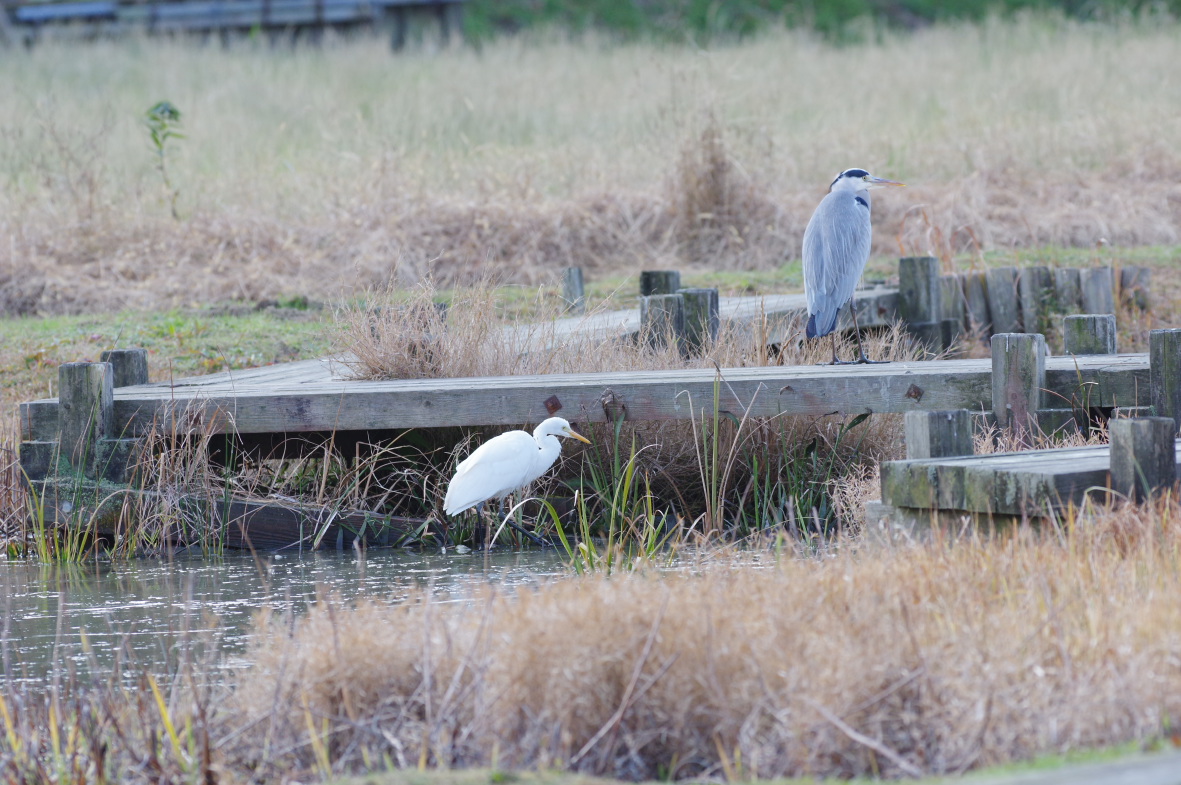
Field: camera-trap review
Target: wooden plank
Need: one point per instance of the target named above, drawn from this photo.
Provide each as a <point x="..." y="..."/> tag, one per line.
<point x="1025" y="483"/>
<point x="427" y="403"/>
<point x="264" y="524"/>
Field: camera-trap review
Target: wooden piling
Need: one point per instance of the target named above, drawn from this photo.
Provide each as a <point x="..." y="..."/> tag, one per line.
<point x="662" y="319"/>
<point x="1089" y="334"/>
<point x="1164" y="373"/>
<point x="659" y="282"/>
<point x="1018" y="379"/>
<point x="976" y="299"/>
<point x="919" y="298"/>
<point x="1143" y="456"/>
<point x="573" y="290"/>
<point x="130" y="366"/>
<point x="952" y="308"/>
<point x="1002" y="300"/>
<point x="702" y="318"/>
<point x="1098" y="291"/>
<point x="1135" y="284"/>
<point x="1068" y="290"/>
<point x="1036" y="287"/>
<point x="86" y="405"/>
<point x="939" y="434"/>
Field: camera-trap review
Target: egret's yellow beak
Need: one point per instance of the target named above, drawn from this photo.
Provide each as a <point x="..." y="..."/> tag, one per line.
<point x="573" y="434"/>
<point x="878" y="182"/>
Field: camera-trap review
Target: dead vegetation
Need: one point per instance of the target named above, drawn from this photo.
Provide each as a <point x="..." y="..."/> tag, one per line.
<point x="932" y="659"/>
<point x="532" y="155"/>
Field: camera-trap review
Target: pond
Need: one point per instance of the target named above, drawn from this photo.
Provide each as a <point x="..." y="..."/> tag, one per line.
<point x="151" y="614"/>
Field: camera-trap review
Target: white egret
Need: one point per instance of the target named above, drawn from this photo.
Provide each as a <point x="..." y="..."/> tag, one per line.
<point x="506" y="463"/>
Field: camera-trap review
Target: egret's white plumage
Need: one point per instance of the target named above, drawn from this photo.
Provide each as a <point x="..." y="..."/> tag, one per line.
<point x="505" y="463"/>
<point x="836" y="249"/>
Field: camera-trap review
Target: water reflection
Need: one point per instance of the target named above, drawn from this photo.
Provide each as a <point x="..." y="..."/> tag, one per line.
<point x="152" y="614"/>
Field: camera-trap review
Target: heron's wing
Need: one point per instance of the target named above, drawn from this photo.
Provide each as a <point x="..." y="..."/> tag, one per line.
<point x="836" y="248"/>
<point x="498" y="466"/>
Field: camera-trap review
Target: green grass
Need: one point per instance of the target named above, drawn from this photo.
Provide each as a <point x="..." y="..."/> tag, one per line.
<point x="180" y="342"/>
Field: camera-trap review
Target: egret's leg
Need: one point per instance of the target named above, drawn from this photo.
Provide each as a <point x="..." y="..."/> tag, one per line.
<point x="529" y="535"/>
<point x="857" y="331"/>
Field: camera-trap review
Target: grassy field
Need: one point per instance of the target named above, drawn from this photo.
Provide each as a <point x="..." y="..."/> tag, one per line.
<point x="322" y="173"/>
<point x="310" y="182"/>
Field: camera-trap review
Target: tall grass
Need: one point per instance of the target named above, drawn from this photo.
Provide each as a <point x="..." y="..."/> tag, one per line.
<point x="330" y="171"/>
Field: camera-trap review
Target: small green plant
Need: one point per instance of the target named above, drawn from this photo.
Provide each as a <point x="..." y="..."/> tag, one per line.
<point x="163" y="123"/>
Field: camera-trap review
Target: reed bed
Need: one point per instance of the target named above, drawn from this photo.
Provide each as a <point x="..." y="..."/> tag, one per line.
<point x="937" y="657"/>
<point x="356" y="168"/>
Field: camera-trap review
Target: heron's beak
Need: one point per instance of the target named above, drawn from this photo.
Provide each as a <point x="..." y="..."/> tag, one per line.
<point x="573" y="434"/>
<point x="878" y="182"/>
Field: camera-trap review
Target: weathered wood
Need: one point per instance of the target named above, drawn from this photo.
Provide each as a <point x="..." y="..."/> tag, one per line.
<point x="1098" y="290"/>
<point x="573" y="290"/>
<point x="1143" y="456"/>
<point x="240" y="523"/>
<point x="663" y="320"/>
<point x="86" y="397"/>
<point x="1002" y="300"/>
<point x="1068" y="290"/>
<point x="1023" y="483"/>
<point x="976" y="298"/>
<point x="314" y="397"/>
<point x="130" y="366"/>
<point x="939" y="434"/>
<point x="1164" y="359"/>
<point x="952" y="302"/>
<point x="919" y="298"/>
<point x="654" y="282"/>
<point x="1135" y="286"/>
<point x="702" y="318"/>
<point x="1018" y="380"/>
<point x="1089" y="334"/>
<point x="1036" y="289"/>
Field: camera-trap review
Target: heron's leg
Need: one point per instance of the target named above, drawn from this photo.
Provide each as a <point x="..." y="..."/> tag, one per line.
<point x="835" y="360"/>
<point x="857" y="331"/>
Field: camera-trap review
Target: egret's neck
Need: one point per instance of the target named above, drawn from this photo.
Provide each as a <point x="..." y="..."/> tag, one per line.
<point x="548" y="448"/>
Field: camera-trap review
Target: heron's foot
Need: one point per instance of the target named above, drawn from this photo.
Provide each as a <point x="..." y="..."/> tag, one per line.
<point x="835" y="361"/>
<point x="863" y="360"/>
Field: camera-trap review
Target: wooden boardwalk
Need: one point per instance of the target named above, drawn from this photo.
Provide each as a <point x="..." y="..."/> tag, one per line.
<point x="1020" y="483"/>
<point x="316" y="395"/>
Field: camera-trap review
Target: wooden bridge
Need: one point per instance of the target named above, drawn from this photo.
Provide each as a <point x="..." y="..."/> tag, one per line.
<point x="95" y="427"/>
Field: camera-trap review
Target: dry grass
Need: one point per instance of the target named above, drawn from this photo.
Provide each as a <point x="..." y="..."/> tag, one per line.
<point x="930" y="659"/>
<point x="328" y="172"/>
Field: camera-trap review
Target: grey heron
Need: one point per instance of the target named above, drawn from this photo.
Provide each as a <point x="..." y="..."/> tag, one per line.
<point x="836" y="248"/>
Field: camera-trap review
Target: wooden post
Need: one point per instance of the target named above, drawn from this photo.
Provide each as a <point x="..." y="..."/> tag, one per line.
<point x="1143" y="456"/>
<point x="1089" y="334"/>
<point x="1164" y="373"/>
<point x="573" y="291"/>
<point x="1098" y="293"/>
<point x="1135" y="283"/>
<point x="976" y="296"/>
<point x="1018" y="379"/>
<point x="1002" y="300"/>
<point x="1036" y="286"/>
<point x="951" y="308"/>
<point x="702" y="318"/>
<point x="662" y="319"/>
<point x="659" y="282"/>
<point x="86" y="405"/>
<point x="130" y="366"/>
<point x="939" y="434"/>
<point x="919" y="296"/>
<point x="1068" y="290"/>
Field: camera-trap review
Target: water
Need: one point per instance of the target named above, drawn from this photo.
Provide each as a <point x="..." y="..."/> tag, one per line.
<point x="151" y="614"/>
